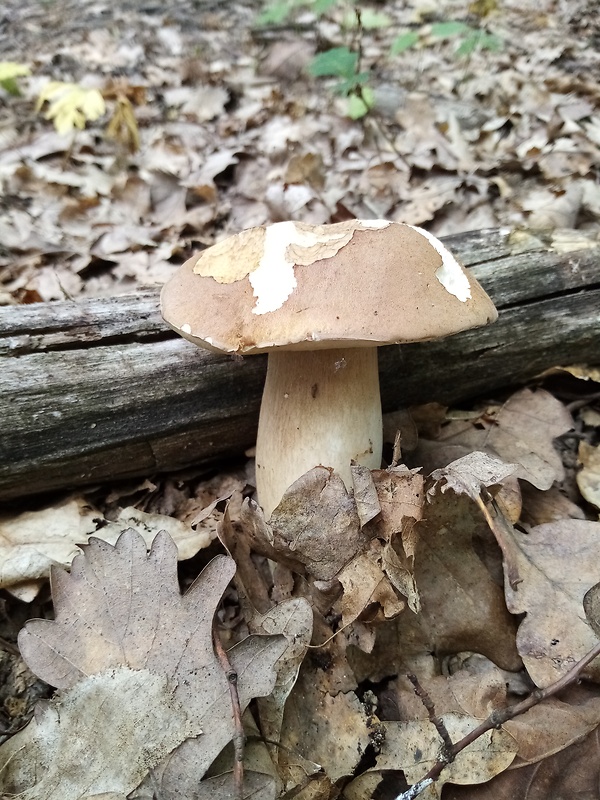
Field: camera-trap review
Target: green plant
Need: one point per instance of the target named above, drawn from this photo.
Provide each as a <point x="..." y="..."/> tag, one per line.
<point x="468" y="39"/>
<point x="9" y="72"/>
<point x="344" y="63"/>
<point x="279" y="11"/>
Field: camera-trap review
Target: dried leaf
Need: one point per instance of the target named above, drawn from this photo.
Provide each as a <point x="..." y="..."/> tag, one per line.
<point x="294" y="620"/>
<point x="33" y="541"/>
<point x="365" y="494"/>
<point x="468" y="475"/>
<point x="318" y="725"/>
<point x="591" y="606"/>
<point x="558" y="563"/>
<point x="462" y="607"/>
<point x="122" y="607"/>
<point x="316" y="523"/>
<point x="119" y="724"/>
<point x="568" y="773"/>
<point x="414" y="747"/>
<point x="519" y="432"/>
<point x="365" y="584"/>
<point x="588" y="478"/>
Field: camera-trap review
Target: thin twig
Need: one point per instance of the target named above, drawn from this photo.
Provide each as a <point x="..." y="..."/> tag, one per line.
<point x="436" y="721"/>
<point x="497" y="718"/>
<point x="239" y="739"/>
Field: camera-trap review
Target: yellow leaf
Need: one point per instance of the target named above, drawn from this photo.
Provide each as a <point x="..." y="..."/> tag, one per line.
<point x="70" y="105"/>
<point x="10" y="70"/>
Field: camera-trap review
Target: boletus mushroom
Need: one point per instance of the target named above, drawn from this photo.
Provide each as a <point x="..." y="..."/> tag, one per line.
<point x="320" y="299"/>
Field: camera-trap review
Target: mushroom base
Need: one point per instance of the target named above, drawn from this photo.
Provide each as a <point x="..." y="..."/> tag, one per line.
<point x="319" y="407"/>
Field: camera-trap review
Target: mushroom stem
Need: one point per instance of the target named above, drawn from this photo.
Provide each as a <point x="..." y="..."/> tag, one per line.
<point x="319" y="407"/>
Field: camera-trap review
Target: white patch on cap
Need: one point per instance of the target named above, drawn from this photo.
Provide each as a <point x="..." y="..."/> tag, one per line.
<point x="273" y="280"/>
<point x="288" y="244"/>
<point x="186" y="327"/>
<point x="451" y="275"/>
<point x="374" y="223"/>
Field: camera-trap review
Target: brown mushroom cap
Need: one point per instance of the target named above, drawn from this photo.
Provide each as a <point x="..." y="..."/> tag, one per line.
<point x="295" y="286"/>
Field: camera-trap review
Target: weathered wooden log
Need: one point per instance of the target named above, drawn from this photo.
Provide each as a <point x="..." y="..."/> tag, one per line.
<point x="102" y="390"/>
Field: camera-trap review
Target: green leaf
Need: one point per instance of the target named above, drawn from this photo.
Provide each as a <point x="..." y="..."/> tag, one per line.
<point x="349" y="86"/>
<point x="338" y="62"/>
<point x="404" y="42"/>
<point x="478" y="40"/>
<point x="9" y="72"/>
<point x="448" y="30"/>
<point x="323" y="6"/>
<point x="276" y="13"/>
<point x="360" y="105"/>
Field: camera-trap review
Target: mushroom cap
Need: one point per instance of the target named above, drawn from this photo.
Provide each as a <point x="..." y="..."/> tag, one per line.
<point x="295" y="286"/>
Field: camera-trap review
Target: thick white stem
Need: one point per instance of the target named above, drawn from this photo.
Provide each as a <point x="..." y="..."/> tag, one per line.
<point x="319" y="407"/>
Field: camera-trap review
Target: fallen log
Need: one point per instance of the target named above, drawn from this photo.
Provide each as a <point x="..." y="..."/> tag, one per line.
<point x="102" y="390"/>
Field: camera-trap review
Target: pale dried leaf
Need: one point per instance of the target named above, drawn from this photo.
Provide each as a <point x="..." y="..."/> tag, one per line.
<point x="523" y="433"/>
<point x="33" y="541"/>
<point x="415" y="746"/>
<point x="558" y="563"/>
<point x="469" y="474"/>
<point x="520" y="432"/>
<point x="365" y="494"/>
<point x="102" y="735"/>
<point x="188" y="540"/>
<point x="588" y="478"/>
<point x="294" y="620"/>
<point x="122" y="607"/>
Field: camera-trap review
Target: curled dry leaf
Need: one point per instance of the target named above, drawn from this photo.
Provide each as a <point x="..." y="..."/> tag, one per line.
<point x="122" y="607"/>
<point x="33" y="541"/>
<point x="365" y="493"/>
<point x="519" y="432"/>
<point x="318" y="524"/>
<point x="570" y="773"/>
<point x="558" y="563"/>
<point x="479" y="688"/>
<point x="365" y="583"/>
<point x="468" y="476"/>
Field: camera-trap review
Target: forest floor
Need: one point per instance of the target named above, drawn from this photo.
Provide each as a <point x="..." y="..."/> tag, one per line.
<point x="477" y="585"/>
<point x="234" y="132"/>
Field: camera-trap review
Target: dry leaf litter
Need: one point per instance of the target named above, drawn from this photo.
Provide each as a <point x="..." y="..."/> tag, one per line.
<point x="473" y="566"/>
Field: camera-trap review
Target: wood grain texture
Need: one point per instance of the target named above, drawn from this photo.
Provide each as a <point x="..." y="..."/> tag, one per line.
<point x="101" y="389"/>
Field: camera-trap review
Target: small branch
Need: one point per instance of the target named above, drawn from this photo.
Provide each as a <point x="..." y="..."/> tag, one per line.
<point x="497" y="718"/>
<point x="438" y="722"/>
<point x="415" y="790"/>
<point x="239" y="738"/>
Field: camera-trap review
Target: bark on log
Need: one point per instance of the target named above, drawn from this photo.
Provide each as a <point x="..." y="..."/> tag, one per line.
<point x="101" y="390"/>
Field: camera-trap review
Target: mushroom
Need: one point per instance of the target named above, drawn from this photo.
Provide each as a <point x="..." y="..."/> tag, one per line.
<point x="320" y="299"/>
